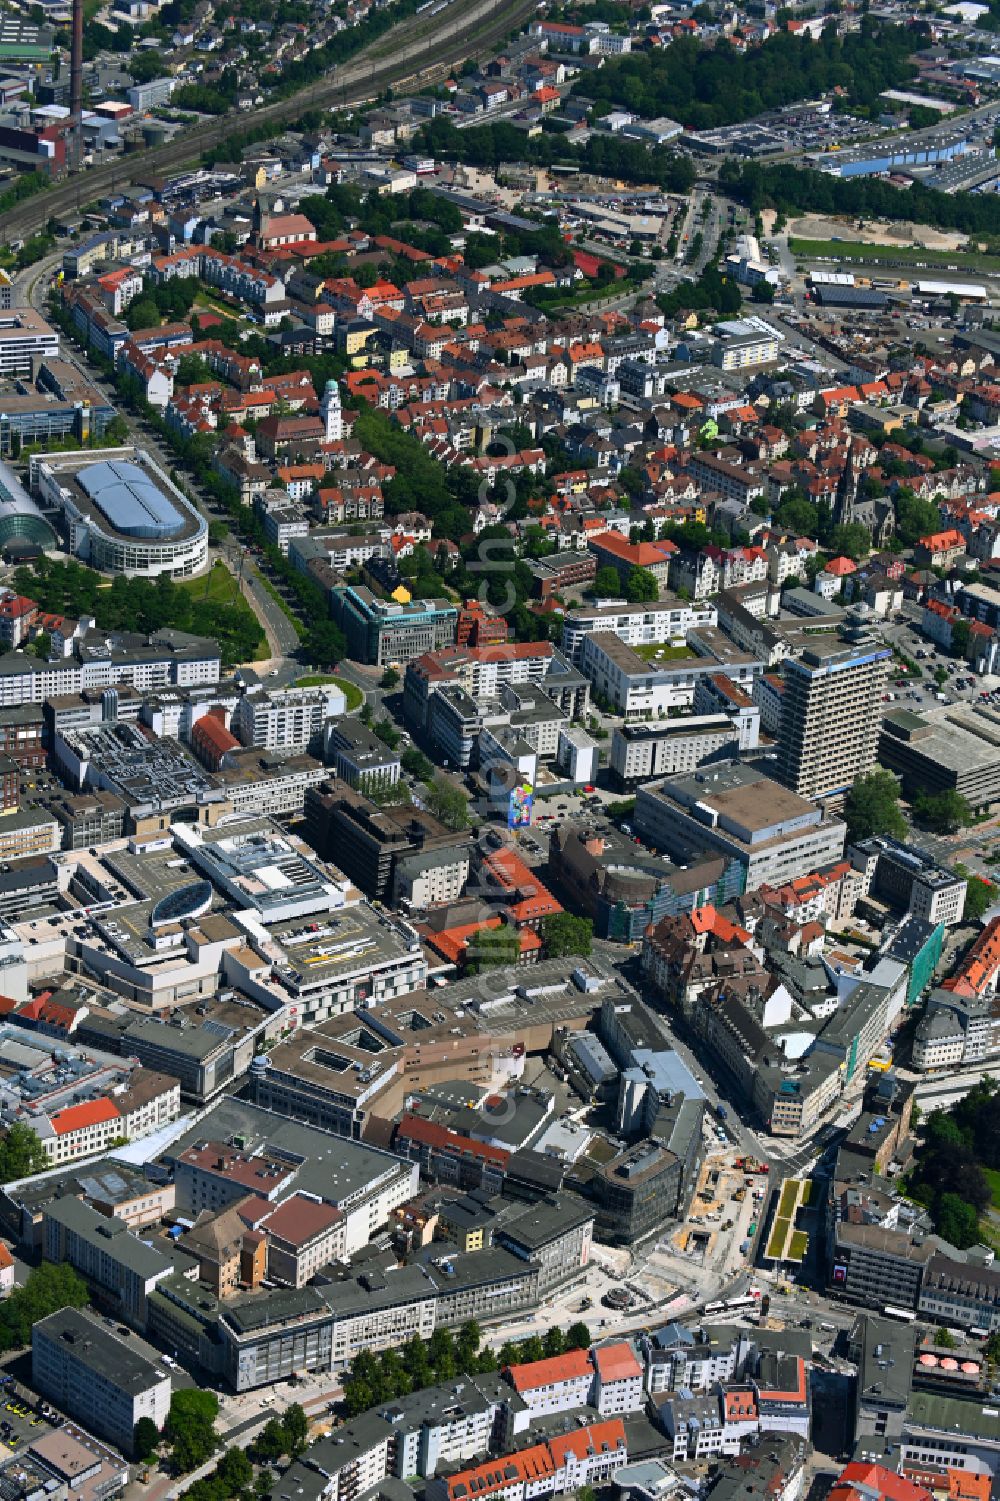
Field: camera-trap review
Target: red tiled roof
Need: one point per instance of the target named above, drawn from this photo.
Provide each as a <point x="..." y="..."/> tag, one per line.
<point x="90" y="1113"/>
<point x="16" y="605"/>
<point x="708" y="920"/>
<point x="509" y="651"/>
<point x="942" y="541"/>
<point x="617" y="1362"/>
<point x="639" y="554"/>
<point x="599" y="1438"/>
<point x="430" y="1134"/>
<point x="534" y="1464"/>
<point x="572" y="1366"/>
<point x="740" y="1404"/>
<point x="212" y="732"/>
<point x="512" y="875"/>
<point x="968" y="1485"/>
<point x="875" y="1478"/>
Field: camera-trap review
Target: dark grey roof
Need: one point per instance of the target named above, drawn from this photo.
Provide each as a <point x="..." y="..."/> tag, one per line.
<point x="89" y="1343"/>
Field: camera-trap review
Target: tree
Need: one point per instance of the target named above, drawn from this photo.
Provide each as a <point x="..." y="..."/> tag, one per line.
<point x="943" y="812"/>
<point x="49" y="1287"/>
<point x="389" y="678"/>
<point x="236" y="1470"/>
<point x="607" y="584"/>
<point x="143" y="313"/>
<point x="850" y="541"/>
<point x="467" y="1343"/>
<point x="441" y="1349"/>
<point x="797" y="514"/>
<point x="578" y="1337"/>
<point x="296" y="1426"/>
<point x="961" y="635"/>
<point x="21" y="1154"/>
<point x="492" y="948"/>
<point x="271" y="1442"/>
<point x="145" y="1438"/>
<point x="554" y="1341"/>
<point x="387" y="732"/>
<point x="957" y="1222"/>
<point x="363" y="1386"/>
<point x="979" y="895"/>
<point x="641" y="586"/>
<point x="324" y="643"/>
<point x="872" y="807"/>
<point x="564" y="935"/>
<point x="447" y="802"/>
<point x="915" y="518"/>
<point x="190" y="1427"/>
<point x="991" y="1349"/>
<point x="945" y="1340"/>
<point x="416" y="763"/>
<point x="417" y="1362"/>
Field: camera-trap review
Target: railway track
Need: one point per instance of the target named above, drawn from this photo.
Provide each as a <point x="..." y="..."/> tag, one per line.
<point x="355" y="83"/>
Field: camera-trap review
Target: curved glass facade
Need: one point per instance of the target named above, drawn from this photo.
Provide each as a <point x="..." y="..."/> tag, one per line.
<point x="193" y="900"/>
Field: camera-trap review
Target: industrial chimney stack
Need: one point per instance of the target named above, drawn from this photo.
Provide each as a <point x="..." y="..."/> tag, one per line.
<point x="75" y="142"/>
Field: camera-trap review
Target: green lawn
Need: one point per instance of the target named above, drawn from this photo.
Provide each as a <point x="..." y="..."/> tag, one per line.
<point x="664" y="653"/>
<point x="355" y="698"/>
<point x="218" y="587"/>
<point x="859" y="252"/>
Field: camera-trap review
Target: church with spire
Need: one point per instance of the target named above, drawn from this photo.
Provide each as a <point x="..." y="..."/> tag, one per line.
<point x="852" y="506"/>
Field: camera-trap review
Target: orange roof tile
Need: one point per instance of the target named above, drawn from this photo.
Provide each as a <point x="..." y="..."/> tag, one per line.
<point x="431" y="1134"/>
<point x="532" y="1464"/>
<point x="942" y="541"/>
<point x="90" y="1113"/>
<point x="598" y="1438"/>
<point x="708" y="920"/>
<point x="617" y="1362"/>
<point x="968" y="1485"/>
<point x="572" y="1366"/>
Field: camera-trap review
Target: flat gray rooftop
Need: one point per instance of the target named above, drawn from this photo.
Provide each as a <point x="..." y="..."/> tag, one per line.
<point x="103" y="1353"/>
<point x="333" y="1168"/>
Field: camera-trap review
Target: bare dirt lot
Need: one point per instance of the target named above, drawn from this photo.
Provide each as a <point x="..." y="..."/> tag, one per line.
<point x="874" y="232"/>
